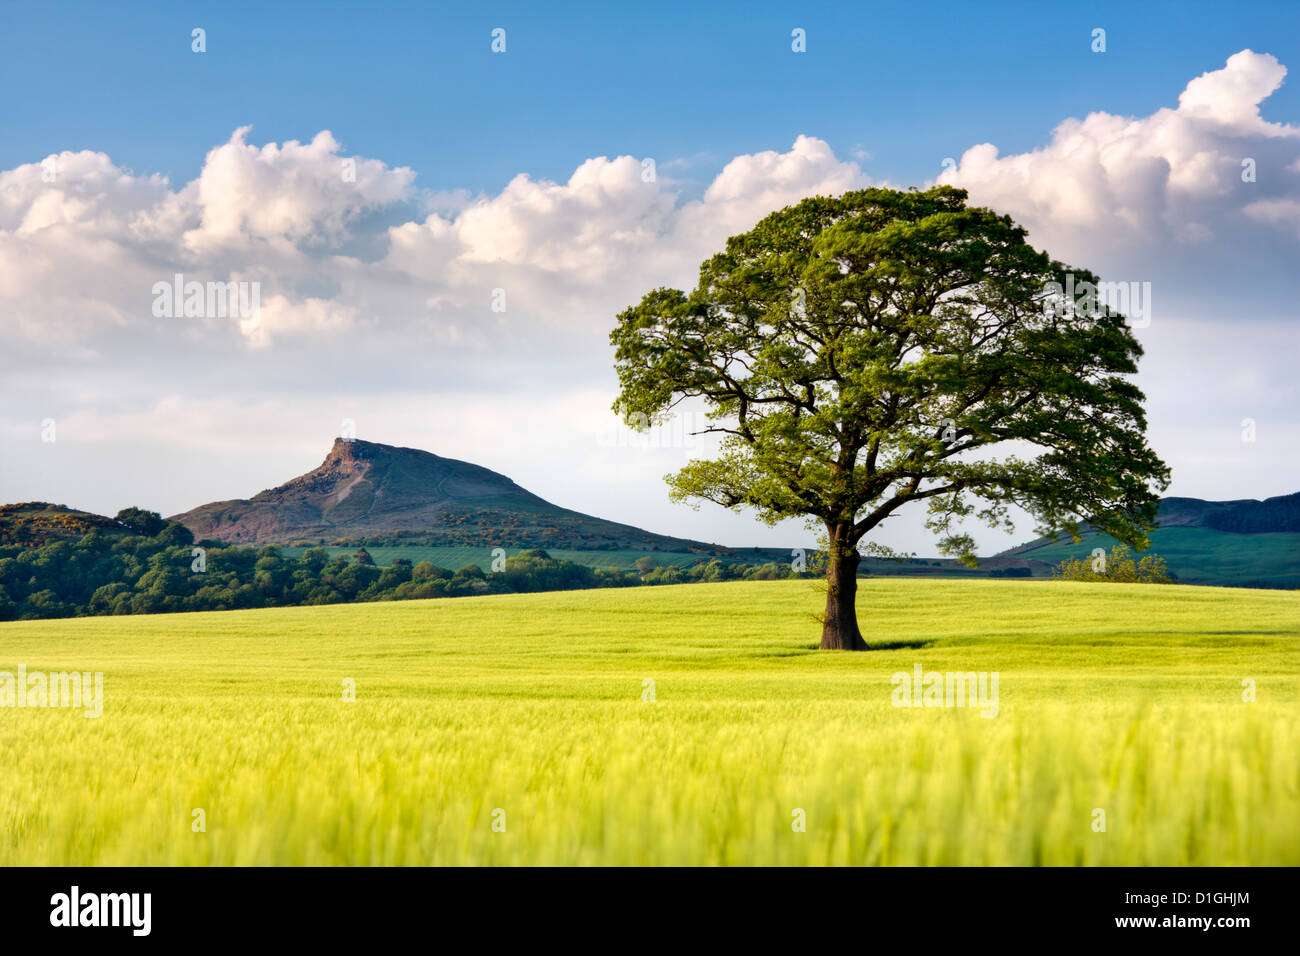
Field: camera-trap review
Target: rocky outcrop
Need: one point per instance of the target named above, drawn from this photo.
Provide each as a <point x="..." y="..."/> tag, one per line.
<point x="367" y="490"/>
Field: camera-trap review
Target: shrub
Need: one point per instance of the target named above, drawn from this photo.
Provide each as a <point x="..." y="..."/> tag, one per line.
<point x="1118" y="566"/>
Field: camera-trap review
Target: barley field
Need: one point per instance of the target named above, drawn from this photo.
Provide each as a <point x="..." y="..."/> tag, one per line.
<point x="693" y="724"/>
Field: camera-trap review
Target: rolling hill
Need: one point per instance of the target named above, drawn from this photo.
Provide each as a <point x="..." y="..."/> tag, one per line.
<point x="33" y="523"/>
<point x="414" y="504"/>
<point x="1243" y="543"/>
<point x="382" y="493"/>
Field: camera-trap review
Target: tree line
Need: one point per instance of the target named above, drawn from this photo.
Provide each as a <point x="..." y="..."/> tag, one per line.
<point x="157" y="567"/>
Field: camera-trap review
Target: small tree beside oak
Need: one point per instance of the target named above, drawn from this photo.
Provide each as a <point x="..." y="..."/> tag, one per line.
<point x="862" y="353"/>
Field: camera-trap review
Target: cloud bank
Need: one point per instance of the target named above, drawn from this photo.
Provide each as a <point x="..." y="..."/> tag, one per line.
<point x="476" y="326"/>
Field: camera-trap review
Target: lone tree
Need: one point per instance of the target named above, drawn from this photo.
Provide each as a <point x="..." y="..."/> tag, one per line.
<point x="860" y="353"/>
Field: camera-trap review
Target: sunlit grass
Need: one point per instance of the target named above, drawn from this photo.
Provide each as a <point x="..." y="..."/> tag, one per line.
<point x="1120" y="698"/>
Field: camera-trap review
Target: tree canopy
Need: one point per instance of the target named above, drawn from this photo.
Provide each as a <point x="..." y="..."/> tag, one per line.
<point x="861" y="353"/>
<point x="147" y="523"/>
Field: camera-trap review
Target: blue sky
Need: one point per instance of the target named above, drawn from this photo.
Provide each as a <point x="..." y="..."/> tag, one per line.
<point x="126" y="158"/>
<point x="416" y="83"/>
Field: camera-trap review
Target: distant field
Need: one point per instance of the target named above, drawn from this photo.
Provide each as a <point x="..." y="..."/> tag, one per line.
<point x="1202" y="555"/>
<point x="1123" y="698"/>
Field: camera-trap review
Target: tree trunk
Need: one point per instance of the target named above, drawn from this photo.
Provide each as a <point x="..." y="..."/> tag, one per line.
<point x="840" y="626"/>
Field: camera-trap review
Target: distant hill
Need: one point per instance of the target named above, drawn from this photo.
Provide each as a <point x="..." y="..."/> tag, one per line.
<point x="34" y="523"/>
<point x="1244" y="543"/>
<point x="367" y="490"/>
<point x="1247" y="516"/>
<point x="402" y="497"/>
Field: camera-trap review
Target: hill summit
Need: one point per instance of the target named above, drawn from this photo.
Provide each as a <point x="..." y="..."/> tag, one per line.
<point x="1280" y="514"/>
<point x="367" y="490"/>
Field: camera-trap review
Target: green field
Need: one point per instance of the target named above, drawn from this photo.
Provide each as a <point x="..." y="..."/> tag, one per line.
<point x="1120" y="698"/>
<point x="1202" y="555"/>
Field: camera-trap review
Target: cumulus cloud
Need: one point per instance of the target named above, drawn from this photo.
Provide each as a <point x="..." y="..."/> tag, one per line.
<point x="82" y="190"/>
<point x="291" y="193"/>
<point x="79" y="254"/>
<point x="1177" y="175"/>
<point x="1230" y="98"/>
<point x="612" y="224"/>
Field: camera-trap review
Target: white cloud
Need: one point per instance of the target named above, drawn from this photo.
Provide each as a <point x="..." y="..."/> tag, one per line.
<point x="1230" y="98"/>
<point x="292" y="193"/>
<point x="1117" y="181"/>
<point x="752" y="186"/>
<point x="82" y="190"/>
<point x="278" y="315"/>
<point x="78" y="256"/>
<point x="607" y="229"/>
<point x="1282" y="212"/>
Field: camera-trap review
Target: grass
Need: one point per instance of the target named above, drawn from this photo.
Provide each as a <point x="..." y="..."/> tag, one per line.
<point x="1121" y="698"/>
